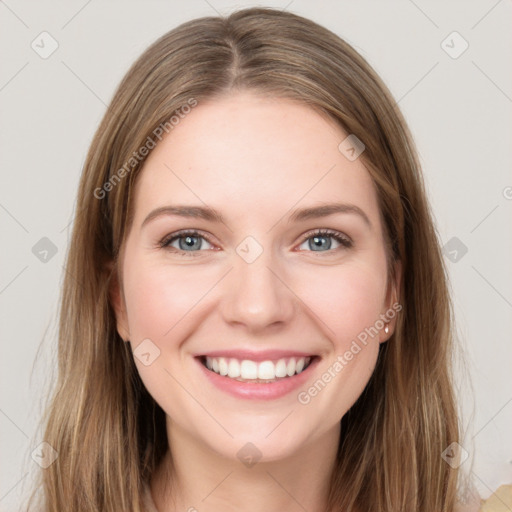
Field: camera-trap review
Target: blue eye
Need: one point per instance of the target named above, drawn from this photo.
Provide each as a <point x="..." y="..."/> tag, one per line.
<point x="188" y="242"/>
<point x="191" y="242"/>
<point x="320" y="240"/>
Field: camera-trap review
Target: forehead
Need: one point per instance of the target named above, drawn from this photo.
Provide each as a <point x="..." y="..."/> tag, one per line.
<point x="246" y="154"/>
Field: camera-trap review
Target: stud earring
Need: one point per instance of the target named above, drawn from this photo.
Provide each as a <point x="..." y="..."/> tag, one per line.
<point x="386" y="328"/>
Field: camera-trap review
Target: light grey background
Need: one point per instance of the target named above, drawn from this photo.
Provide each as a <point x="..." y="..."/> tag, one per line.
<point x="459" y="110"/>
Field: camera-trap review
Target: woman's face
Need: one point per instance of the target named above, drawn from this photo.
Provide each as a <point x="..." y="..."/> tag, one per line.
<point x="258" y="285"/>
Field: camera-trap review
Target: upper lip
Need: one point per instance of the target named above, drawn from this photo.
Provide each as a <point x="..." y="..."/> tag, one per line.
<point x="263" y="355"/>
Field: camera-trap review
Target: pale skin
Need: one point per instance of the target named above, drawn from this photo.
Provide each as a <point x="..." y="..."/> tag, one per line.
<point x="255" y="160"/>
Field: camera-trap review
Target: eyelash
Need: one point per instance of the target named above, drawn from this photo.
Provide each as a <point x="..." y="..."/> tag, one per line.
<point x="167" y="240"/>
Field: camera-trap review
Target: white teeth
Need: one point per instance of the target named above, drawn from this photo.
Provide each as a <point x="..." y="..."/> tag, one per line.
<point x="281" y="368"/>
<point x="233" y="368"/>
<point x="248" y="370"/>
<point x="223" y="366"/>
<point x="290" y="369"/>
<point x="266" y="370"/>
<point x="251" y="370"/>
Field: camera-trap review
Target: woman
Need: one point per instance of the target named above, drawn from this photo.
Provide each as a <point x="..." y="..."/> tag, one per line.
<point x="212" y="354"/>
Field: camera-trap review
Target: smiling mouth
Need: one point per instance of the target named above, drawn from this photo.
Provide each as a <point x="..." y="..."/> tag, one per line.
<point x="257" y="372"/>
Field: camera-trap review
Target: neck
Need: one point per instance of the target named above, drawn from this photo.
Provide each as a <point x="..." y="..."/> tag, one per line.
<point x="197" y="478"/>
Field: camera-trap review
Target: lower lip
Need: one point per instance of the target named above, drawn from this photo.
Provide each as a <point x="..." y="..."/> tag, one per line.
<point x="258" y="391"/>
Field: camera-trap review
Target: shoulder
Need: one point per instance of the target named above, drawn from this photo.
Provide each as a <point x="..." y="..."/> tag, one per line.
<point x="499" y="500"/>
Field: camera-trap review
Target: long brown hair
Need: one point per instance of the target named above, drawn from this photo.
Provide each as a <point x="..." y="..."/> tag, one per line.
<point x="109" y="432"/>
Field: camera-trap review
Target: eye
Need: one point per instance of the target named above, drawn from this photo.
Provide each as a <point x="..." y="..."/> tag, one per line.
<point x="187" y="241"/>
<point x="190" y="242"/>
<point x="320" y="240"/>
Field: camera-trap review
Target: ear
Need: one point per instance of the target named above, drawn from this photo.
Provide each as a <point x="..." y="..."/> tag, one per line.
<point x="392" y="305"/>
<point x="117" y="301"/>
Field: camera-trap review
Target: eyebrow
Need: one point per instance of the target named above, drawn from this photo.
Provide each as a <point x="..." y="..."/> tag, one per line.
<point x="325" y="210"/>
<point x="195" y="212"/>
<point x="209" y="214"/>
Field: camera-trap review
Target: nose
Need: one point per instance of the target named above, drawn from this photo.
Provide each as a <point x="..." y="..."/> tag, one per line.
<point x="256" y="295"/>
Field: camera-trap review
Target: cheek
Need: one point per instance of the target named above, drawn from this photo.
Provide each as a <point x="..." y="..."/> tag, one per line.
<point x="160" y="303"/>
<point x="347" y="298"/>
<point x="158" y="297"/>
